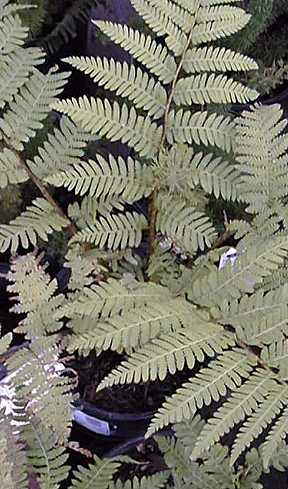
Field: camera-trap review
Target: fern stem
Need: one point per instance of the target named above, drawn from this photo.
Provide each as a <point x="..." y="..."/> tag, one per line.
<point x="152" y="208"/>
<point x="71" y="228"/>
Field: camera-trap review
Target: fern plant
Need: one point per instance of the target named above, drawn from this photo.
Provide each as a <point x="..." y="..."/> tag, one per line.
<point x="229" y="321"/>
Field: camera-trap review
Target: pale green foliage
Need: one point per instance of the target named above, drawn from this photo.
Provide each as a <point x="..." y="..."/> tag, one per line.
<point x="163" y="321"/>
<point x="105" y="179"/>
<point x="38" y="220"/>
<point x="100" y="474"/>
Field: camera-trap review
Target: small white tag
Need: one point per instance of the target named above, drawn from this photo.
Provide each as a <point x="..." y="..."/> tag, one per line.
<point x="229" y="256"/>
<point x="93" y="424"/>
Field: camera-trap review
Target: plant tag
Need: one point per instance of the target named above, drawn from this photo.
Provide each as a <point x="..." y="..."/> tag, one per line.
<point x="229" y="256"/>
<point x="95" y="425"/>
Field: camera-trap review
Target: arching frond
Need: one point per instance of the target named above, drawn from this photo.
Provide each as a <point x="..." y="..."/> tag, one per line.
<point x="113" y="122"/>
<point x="108" y="299"/>
<point x="186" y="226"/>
<point x="133" y="329"/>
<point x="37" y="221"/>
<point x="210" y="384"/>
<point x="200" y="128"/>
<point x="31" y="106"/>
<point x="216" y="59"/>
<point x="126" y="81"/>
<point x="242" y="403"/>
<point x="267" y="410"/>
<point x="143" y="48"/>
<point x="205" y="89"/>
<point x="169" y="354"/>
<point x="102" y="178"/>
<point x="114" y="231"/>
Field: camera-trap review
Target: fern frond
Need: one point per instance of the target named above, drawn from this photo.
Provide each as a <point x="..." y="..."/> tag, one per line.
<point x="231" y="282"/>
<point x="114" y="231"/>
<point x="190" y="6"/>
<point x="216" y="176"/>
<point x="31" y="106"/>
<point x="45" y="459"/>
<point x="126" y="81"/>
<point x="102" y="178"/>
<point x="15" y="70"/>
<point x="113" y="122"/>
<point x="155" y="481"/>
<point x="37" y="221"/>
<point x="209" y="58"/>
<point x="211" y="31"/>
<point x="258" y="142"/>
<point x="209" y="385"/>
<point x="160" y="23"/>
<point x="110" y="298"/>
<point x="143" y="48"/>
<point x="100" y="474"/>
<point x="276" y="356"/>
<point x="200" y="128"/>
<point x="169" y="354"/>
<point x="252" y="308"/>
<point x="264" y="414"/>
<point x="206" y="89"/>
<point x="12" y="34"/>
<point x="272" y="327"/>
<point x="275" y="437"/>
<point x="130" y="330"/>
<point x="187" y="227"/>
<point x="60" y="150"/>
<point x="36" y="369"/>
<point x="11" y="171"/>
<point x="242" y="403"/>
